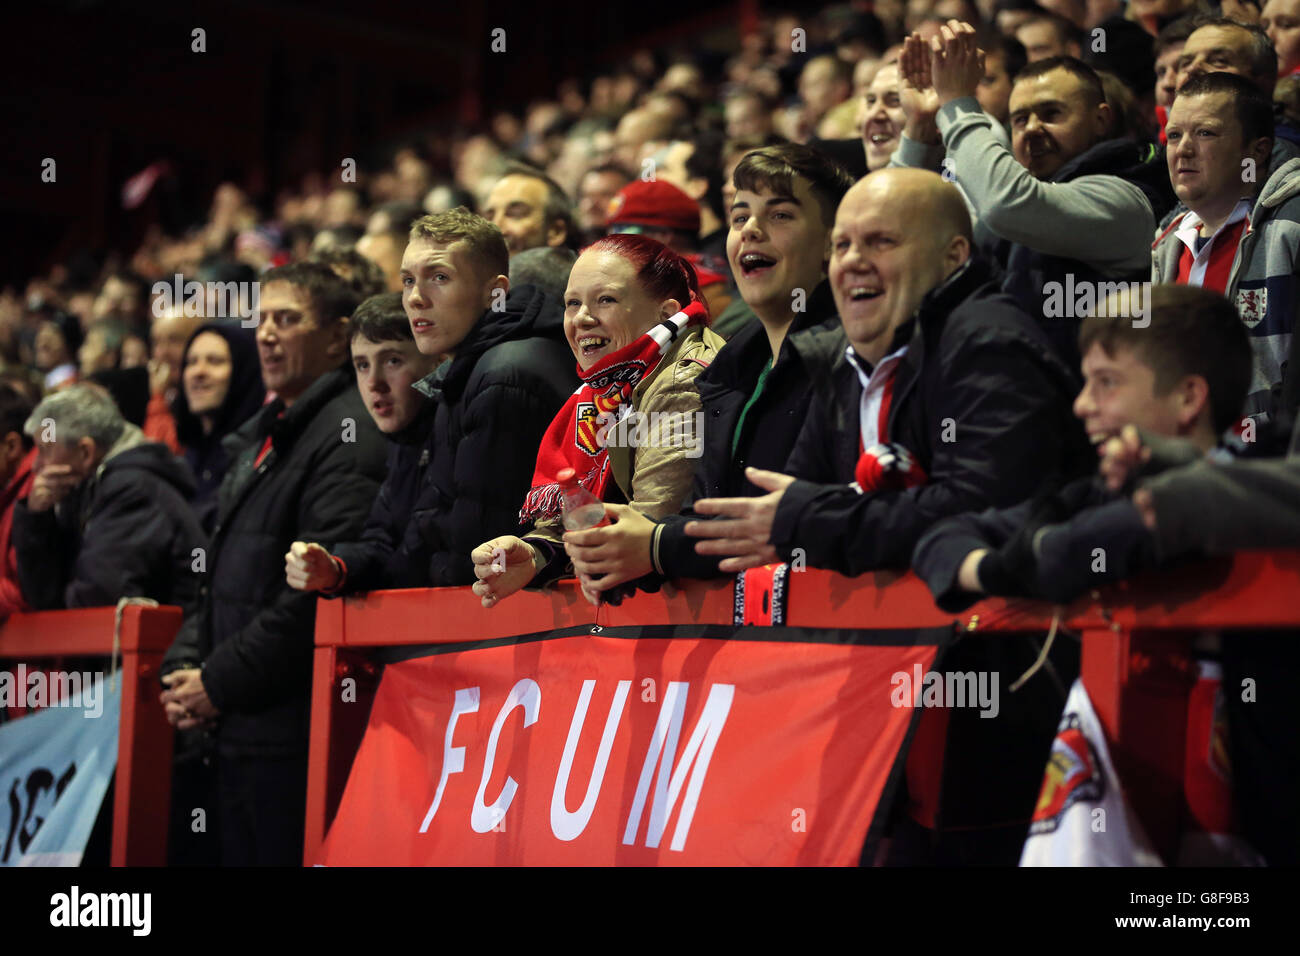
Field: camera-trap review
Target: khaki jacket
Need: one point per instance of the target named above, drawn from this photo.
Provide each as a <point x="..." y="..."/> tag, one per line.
<point x="653" y="470"/>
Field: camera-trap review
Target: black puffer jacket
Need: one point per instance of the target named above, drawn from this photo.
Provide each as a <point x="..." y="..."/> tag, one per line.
<point x="390" y="552"/>
<point x="977" y="371"/>
<point x="127" y="531"/>
<point x="768" y="434"/>
<point x="495" y="400"/>
<point x="252" y="632"/>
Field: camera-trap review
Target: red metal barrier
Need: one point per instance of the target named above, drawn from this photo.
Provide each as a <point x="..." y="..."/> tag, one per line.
<point x="1136" y="661"/>
<point x="142" y="794"/>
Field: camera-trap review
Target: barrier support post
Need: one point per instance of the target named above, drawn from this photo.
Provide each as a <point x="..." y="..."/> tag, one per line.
<point x="1139" y="682"/>
<point x="144" y="757"/>
<point x="339" y="713"/>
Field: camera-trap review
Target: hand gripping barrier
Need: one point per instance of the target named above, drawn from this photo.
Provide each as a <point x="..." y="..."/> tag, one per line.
<point x="142" y="792"/>
<point x="1136" y="639"/>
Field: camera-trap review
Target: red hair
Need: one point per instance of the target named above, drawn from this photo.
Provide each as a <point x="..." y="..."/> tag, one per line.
<point x="662" y="273"/>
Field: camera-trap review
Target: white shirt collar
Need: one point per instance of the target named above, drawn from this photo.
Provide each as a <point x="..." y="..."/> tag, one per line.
<point x="1189" y="229"/>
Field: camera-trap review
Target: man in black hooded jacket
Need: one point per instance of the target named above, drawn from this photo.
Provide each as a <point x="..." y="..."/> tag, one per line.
<point x="226" y="382"/>
<point x="390" y="552"/>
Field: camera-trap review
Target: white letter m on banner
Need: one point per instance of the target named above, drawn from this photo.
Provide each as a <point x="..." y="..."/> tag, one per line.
<point x="695" y="761"/>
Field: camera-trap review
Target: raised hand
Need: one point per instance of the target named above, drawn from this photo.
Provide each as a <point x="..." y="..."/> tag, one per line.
<point x="956" y="62"/>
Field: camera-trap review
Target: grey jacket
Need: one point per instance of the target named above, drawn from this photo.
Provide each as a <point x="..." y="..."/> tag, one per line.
<point x="1219" y="508"/>
<point x="1263" y="284"/>
<point x="1101" y="220"/>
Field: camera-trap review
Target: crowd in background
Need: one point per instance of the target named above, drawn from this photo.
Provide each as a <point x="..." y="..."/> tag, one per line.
<point x="787" y="252"/>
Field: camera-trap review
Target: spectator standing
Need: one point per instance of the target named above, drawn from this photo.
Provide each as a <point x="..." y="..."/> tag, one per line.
<point x="1239" y="237"/>
<point x="389" y="553"/>
<point x="306" y="467"/>
<point x="107" y="516"/>
<point x="508" y="373"/>
<point x="17" y="472"/>
<point x="221" y="389"/>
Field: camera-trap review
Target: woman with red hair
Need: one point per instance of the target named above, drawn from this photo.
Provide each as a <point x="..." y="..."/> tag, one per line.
<point x="634" y="319"/>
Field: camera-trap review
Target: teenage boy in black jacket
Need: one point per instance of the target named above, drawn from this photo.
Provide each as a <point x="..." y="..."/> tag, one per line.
<point x="755" y="393"/>
<point x="389" y="553"/>
<point x="509" y="370"/>
<point x="1183" y="376"/>
<point x="306" y="467"/>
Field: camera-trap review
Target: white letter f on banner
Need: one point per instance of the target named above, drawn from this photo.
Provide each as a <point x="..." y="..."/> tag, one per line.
<point x="453" y="758"/>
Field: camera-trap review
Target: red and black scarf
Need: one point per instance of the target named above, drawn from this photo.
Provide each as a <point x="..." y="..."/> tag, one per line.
<point x="574" y="439"/>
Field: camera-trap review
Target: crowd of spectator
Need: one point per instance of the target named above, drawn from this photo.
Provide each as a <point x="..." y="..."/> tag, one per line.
<point x="972" y="287"/>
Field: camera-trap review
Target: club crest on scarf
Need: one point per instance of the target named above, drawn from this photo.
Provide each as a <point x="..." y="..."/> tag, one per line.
<point x="613" y="389"/>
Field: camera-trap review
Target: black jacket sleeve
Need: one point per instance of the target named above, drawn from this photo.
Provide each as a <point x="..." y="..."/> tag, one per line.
<point x="940" y="552"/>
<point x="127" y="549"/>
<point x="186" y="649"/>
<point x="367" y="558"/>
<point x="252" y="668"/>
<point x="502" y="427"/>
<point x="1219" y="508"/>
<point x="1098" y="545"/>
<point x="1006" y="411"/>
<point x="46" y="548"/>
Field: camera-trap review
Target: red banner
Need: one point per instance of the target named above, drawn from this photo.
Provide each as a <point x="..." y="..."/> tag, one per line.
<point x="629" y="750"/>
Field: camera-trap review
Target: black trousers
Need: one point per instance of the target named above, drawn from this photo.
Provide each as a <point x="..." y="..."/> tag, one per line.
<point x="263" y="809"/>
<point x="1263" y="739"/>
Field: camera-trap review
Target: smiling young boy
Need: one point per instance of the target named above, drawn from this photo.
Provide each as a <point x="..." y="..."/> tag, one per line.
<point x="1183" y="376"/>
<point x="388" y="365"/>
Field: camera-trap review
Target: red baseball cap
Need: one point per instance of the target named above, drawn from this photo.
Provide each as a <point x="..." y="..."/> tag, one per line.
<point x="656" y="203"/>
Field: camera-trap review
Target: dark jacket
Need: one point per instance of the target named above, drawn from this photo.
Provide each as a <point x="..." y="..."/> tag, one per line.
<point x="206" y="457"/>
<point x="981" y="373"/>
<point x="768" y="435"/>
<point x="977" y="371"/>
<point x="1052" y="548"/>
<point x="127" y="531"/>
<point x="1028" y="271"/>
<point x="390" y="552"/>
<point x="252" y="632"/>
<point x="495" y="400"/>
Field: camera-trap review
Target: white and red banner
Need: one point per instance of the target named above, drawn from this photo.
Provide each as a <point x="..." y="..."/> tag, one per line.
<point x="636" y="746"/>
<point x="1082" y="818"/>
